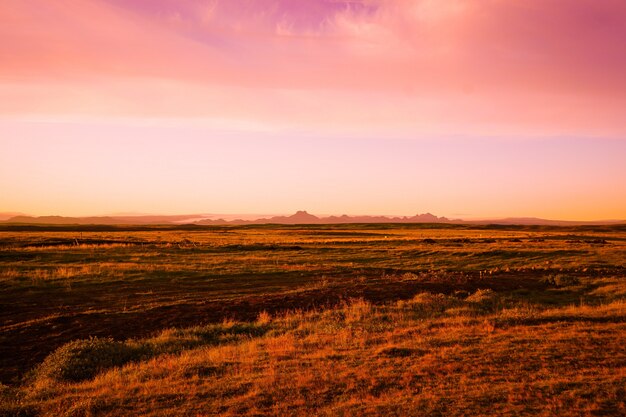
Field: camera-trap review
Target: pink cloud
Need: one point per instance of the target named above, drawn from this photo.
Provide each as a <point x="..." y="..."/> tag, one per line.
<point x="417" y="66"/>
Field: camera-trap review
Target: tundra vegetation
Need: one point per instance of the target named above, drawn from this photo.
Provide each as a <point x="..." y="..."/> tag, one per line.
<point x="312" y="320"/>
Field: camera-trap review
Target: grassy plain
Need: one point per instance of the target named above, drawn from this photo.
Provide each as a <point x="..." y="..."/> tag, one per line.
<point x="313" y="320"/>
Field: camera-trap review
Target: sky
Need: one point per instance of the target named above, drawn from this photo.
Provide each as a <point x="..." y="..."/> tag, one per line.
<point x="463" y="108"/>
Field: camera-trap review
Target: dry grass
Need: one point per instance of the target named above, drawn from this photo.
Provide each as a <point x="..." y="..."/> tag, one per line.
<point x="535" y="327"/>
<point x="431" y="355"/>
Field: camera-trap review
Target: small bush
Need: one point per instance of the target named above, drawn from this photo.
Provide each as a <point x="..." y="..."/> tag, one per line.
<point x="409" y="276"/>
<point x="84" y="359"/>
<point x="561" y="280"/>
<point x="483" y="299"/>
<point x="357" y="310"/>
<point x="264" y="317"/>
<point x="487" y="296"/>
<point x="566" y="280"/>
<point x="430" y="305"/>
<point x="396" y="352"/>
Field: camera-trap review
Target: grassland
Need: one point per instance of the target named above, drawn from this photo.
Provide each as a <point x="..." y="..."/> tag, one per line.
<point x="313" y="320"/>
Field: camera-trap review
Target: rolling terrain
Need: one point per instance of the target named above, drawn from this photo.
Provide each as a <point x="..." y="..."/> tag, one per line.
<point x="371" y="319"/>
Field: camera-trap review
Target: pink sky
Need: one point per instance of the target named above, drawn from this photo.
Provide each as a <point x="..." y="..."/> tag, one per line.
<point x="348" y="96"/>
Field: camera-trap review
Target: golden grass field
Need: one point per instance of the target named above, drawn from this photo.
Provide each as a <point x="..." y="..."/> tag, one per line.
<point x="433" y="320"/>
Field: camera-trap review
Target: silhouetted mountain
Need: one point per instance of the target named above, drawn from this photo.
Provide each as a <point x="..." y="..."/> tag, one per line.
<point x="303" y="217"/>
<point x="108" y="220"/>
<point x="61" y="220"/>
<point x="427" y="218"/>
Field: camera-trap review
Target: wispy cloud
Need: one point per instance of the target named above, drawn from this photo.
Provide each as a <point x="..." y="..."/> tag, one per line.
<point x="485" y="66"/>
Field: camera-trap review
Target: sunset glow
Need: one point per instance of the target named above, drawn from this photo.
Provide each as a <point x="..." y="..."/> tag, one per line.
<point x="467" y="109"/>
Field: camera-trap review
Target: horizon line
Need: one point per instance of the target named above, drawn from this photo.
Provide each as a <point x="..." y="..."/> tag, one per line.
<point x="5" y="217"/>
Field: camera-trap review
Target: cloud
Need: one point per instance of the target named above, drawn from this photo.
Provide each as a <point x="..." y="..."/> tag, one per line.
<point x="415" y="66"/>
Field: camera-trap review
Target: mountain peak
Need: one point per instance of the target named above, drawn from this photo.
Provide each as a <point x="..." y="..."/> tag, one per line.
<point x="303" y="215"/>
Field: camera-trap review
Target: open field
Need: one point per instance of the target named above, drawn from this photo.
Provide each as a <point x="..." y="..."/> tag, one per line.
<point x="305" y="320"/>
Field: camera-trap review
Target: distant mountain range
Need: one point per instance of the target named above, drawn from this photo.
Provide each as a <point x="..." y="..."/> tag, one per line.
<point x="529" y="221"/>
<point x="300" y="217"/>
<point x="303" y="217"/>
<point x="109" y="220"/>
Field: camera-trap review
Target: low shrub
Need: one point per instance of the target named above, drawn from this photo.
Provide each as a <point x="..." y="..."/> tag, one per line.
<point x="430" y="305"/>
<point x="561" y="280"/>
<point x="396" y="352"/>
<point x="485" y="300"/>
<point x="486" y="296"/>
<point x="84" y="359"/>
